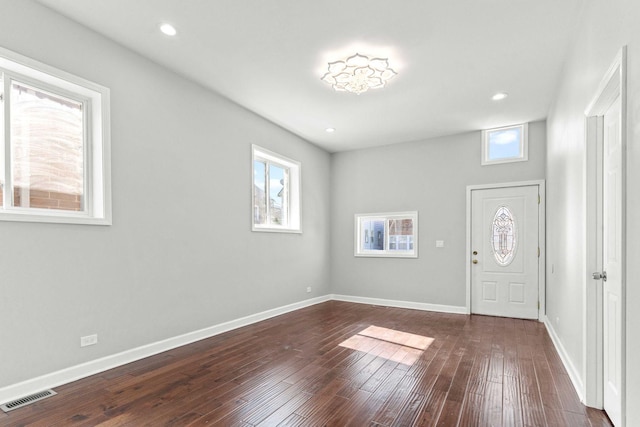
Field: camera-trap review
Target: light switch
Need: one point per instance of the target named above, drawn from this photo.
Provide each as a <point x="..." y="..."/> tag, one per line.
<point x="439" y="243"/>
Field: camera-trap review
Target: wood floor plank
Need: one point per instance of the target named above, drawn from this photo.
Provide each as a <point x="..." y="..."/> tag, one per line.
<point x="391" y="408"/>
<point x="511" y="402"/>
<point x="413" y="404"/>
<point x="404" y="368"/>
<point x="430" y="413"/>
<point x="532" y="407"/>
<point x="491" y="413"/>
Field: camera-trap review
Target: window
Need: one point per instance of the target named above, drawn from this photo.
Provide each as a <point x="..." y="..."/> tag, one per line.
<point x="387" y="235"/>
<point x="54" y="145"/>
<point x="275" y="192"/>
<point x="504" y="145"/>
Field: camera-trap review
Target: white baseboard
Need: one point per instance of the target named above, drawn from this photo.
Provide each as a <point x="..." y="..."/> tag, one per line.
<point x="74" y="373"/>
<point x="64" y="376"/>
<point x="402" y="304"/>
<point x="574" y="374"/>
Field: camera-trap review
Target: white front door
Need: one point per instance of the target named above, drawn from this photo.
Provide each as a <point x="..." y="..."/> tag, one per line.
<point x="611" y="252"/>
<point x="505" y="252"/>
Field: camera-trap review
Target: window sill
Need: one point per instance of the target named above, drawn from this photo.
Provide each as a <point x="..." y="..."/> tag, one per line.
<point x="54" y="219"/>
<point x="385" y="255"/>
<point x="276" y="230"/>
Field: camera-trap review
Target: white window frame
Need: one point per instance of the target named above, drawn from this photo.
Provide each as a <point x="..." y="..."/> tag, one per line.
<point x="97" y="145"/>
<point x="360" y="251"/>
<point x="294" y="202"/>
<point x="524" y="145"/>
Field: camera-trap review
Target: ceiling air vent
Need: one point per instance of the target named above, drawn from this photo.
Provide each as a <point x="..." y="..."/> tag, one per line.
<point x="27" y="400"/>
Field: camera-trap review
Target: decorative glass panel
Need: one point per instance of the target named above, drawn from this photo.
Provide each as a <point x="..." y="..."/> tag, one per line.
<point x="504" y="236"/>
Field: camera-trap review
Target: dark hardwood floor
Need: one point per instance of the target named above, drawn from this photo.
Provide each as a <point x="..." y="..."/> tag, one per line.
<point x="453" y="370"/>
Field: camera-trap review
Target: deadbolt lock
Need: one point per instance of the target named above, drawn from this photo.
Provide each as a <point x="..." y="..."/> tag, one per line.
<point x="475" y="252"/>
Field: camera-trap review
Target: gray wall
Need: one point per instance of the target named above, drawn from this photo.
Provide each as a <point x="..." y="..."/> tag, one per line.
<point x="605" y="28"/>
<point x="430" y="177"/>
<point x="180" y="255"/>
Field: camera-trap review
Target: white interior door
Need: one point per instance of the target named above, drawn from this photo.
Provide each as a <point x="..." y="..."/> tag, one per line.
<point x="505" y="252"/>
<point x="611" y="252"/>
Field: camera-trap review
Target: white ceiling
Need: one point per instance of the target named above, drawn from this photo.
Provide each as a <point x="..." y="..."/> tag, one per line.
<point x="269" y="55"/>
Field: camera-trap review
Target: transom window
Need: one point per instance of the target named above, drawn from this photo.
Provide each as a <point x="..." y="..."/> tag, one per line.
<point x="275" y="192"/>
<point x="504" y="145"/>
<point x="54" y="164"/>
<point x="387" y="235"/>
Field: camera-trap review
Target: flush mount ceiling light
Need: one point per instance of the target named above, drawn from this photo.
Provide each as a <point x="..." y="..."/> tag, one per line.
<point x="358" y="73"/>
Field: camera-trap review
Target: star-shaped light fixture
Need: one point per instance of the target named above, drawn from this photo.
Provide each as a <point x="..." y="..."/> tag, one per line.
<point x="358" y="73"/>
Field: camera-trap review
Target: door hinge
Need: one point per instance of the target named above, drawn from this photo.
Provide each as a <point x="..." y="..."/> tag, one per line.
<point x="538" y="199"/>
<point x="538" y="305"/>
<point x="538" y="252"/>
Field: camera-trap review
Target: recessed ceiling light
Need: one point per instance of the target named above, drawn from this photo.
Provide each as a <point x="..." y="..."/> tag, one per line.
<point x="499" y="96"/>
<point x="330" y="130"/>
<point x="168" y="29"/>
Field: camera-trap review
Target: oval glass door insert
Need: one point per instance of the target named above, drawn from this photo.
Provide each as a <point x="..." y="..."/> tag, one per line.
<point x="504" y="239"/>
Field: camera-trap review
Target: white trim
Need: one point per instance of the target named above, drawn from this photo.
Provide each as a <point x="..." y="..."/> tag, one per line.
<point x="74" y="373"/>
<point x="358" y="251"/>
<point x="612" y="85"/>
<point x="541" y="239"/>
<point x="574" y="373"/>
<point x="401" y="304"/>
<point x="294" y="201"/>
<point x="96" y="103"/>
<point x="93" y="367"/>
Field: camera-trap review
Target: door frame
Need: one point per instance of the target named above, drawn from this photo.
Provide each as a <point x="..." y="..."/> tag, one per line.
<point x="613" y="84"/>
<point x="541" y="237"/>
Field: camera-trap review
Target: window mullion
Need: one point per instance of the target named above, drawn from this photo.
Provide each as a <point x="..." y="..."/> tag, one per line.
<point x="386" y="235"/>
<point x="87" y="167"/>
<point x="286" y="214"/>
<point x="267" y="192"/>
<point x="7" y="190"/>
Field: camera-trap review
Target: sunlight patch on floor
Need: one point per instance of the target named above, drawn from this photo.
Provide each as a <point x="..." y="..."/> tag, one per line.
<point x="390" y="344"/>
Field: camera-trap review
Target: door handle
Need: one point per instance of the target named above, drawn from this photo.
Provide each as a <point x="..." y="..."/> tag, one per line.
<point x="475" y="261"/>
<point x="597" y="276"/>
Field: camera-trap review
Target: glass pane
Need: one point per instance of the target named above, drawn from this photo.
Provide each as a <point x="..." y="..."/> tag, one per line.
<point x="505" y="144"/>
<point x="259" y="199"/>
<point x="373" y="235"/>
<point x="1" y="147"/>
<point x="393" y="243"/>
<point x="47" y="150"/>
<point x="503" y="236"/>
<point x="278" y="185"/>
<point x="401" y="230"/>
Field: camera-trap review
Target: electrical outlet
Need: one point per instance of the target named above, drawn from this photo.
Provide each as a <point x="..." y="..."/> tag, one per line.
<point x="89" y="340"/>
<point x="308" y="289"/>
